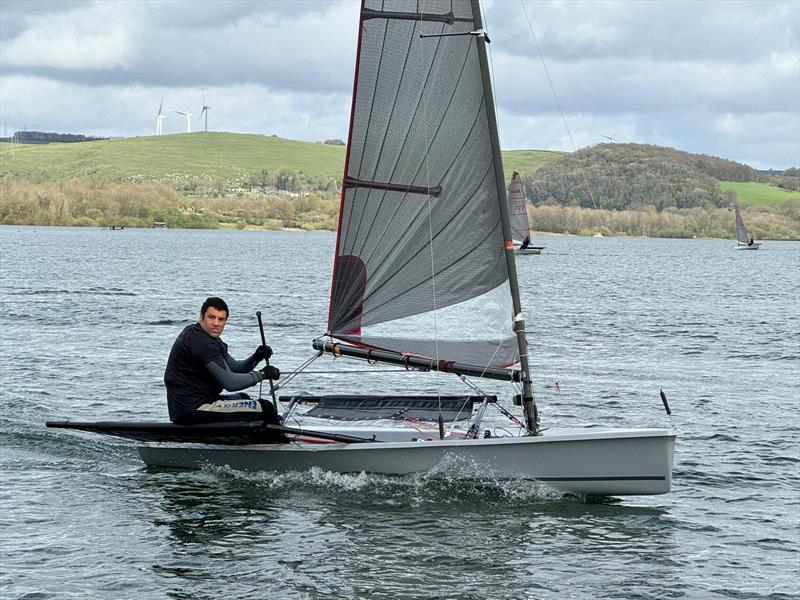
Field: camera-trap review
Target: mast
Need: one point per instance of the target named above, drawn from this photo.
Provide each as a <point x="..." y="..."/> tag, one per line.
<point x="528" y="405"/>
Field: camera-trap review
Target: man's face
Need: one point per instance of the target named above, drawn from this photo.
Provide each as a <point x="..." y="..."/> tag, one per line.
<point x="213" y="322"/>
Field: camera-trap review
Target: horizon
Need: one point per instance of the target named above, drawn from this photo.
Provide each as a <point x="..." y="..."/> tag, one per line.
<point x="118" y="138"/>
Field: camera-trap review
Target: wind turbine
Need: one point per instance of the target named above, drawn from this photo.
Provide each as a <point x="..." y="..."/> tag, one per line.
<point x="608" y="137"/>
<point x="205" y="110"/>
<point x="160" y="117"/>
<point x="188" y="115"/>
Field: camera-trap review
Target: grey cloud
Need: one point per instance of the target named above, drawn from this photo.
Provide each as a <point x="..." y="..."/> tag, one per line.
<point x="640" y="85"/>
<point x="662" y="31"/>
<point x="190" y="14"/>
<point x="224" y="43"/>
<point x="716" y="77"/>
<point x="14" y="13"/>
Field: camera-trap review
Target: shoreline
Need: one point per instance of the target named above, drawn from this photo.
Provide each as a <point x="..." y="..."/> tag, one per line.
<point x="538" y="234"/>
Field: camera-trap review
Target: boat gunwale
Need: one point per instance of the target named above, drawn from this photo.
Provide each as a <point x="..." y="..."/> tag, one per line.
<point x="300" y="446"/>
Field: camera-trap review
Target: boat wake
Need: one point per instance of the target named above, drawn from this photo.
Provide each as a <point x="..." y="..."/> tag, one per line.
<point x="446" y="484"/>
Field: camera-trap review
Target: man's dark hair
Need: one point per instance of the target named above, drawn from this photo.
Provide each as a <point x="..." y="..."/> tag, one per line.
<point x="214" y="302"/>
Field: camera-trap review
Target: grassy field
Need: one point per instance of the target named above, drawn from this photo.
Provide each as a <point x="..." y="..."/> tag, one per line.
<point x="527" y="161"/>
<point x="759" y="194"/>
<point x="210" y="156"/>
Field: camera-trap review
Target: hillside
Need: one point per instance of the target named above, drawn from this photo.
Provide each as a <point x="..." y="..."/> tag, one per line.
<point x="527" y="161"/>
<point x="633" y="176"/>
<point x="228" y="157"/>
<point x="620" y="175"/>
<point x="233" y="158"/>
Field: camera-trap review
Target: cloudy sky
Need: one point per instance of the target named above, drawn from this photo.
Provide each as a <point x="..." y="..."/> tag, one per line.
<point x="712" y="77"/>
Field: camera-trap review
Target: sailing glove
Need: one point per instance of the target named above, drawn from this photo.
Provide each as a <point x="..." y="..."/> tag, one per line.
<point x="263" y="352"/>
<point x="270" y="372"/>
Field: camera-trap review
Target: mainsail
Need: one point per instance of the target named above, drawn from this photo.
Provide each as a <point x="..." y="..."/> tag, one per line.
<point x="517" y="211"/>
<point x="741" y="232"/>
<point x="420" y="265"/>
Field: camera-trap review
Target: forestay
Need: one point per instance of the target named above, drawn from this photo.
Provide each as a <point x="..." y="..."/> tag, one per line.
<point x="420" y="265"/>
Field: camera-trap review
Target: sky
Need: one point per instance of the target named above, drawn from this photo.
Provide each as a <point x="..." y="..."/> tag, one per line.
<point x="711" y="77"/>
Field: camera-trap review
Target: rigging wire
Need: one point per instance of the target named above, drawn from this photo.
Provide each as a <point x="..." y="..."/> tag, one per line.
<point x="517" y="387"/>
<point x="430" y="237"/>
<point x="494" y="92"/>
<point x="558" y="104"/>
<point x="282" y="383"/>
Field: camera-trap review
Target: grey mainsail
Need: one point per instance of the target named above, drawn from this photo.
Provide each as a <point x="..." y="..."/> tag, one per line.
<point x="420" y="265"/>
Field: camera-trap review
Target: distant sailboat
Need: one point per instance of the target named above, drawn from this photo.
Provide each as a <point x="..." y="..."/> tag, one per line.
<point x="744" y="242"/>
<point x="518" y="213"/>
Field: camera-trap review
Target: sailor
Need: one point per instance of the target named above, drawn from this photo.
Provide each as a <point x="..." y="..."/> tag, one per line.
<point x="525" y="243"/>
<point x="199" y="368"/>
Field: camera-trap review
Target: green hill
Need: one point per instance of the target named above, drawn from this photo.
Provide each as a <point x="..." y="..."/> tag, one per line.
<point x="634" y="176"/>
<point x="230" y="157"/>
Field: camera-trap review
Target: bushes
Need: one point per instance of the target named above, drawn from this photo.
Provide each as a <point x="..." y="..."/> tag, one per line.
<point x="671" y="222"/>
<point x="92" y="202"/>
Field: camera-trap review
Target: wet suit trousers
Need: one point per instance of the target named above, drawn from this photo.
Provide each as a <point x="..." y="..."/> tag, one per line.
<point x="232" y="407"/>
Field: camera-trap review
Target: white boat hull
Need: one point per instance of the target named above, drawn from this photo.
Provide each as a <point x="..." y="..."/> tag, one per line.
<point x="597" y="462"/>
<point x="529" y="250"/>
<point x="753" y="246"/>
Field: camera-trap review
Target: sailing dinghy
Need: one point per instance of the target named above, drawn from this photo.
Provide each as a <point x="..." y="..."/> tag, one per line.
<point x="518" y="214"/>
<point x="743" y="241"/>
<point x="424" y="278"/>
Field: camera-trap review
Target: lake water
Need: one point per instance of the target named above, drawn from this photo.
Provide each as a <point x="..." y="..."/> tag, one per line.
<point x="88" y="319"/>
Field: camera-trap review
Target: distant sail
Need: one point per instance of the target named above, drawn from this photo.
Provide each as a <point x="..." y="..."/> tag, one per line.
<point x="741" y="232"/>
<point x="420" y="265"/>
<point x="517" y="209"/>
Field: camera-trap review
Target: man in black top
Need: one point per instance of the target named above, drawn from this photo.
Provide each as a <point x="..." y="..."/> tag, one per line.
<point x="199" y="368"/>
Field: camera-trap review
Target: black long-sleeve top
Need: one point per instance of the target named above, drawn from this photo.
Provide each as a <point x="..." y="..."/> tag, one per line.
<point x="199" y="368"/>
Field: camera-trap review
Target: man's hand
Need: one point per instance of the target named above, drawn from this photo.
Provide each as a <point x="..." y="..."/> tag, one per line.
<point x="270" y="372"/>
<point x="263" y="352"/>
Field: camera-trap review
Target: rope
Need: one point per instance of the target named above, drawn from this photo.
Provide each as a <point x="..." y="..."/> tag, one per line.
<point x="430" y="237"/>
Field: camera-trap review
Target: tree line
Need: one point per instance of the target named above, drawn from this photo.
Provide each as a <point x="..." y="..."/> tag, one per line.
<point x="777" y="222"/>
<point x="96" y="203"/>
<point x="101" y="203"/>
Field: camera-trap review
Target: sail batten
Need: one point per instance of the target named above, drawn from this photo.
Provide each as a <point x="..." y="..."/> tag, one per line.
<point x="420" y="239"/>
<point x="394" y="187"/>
<point x="449" y="18"/>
